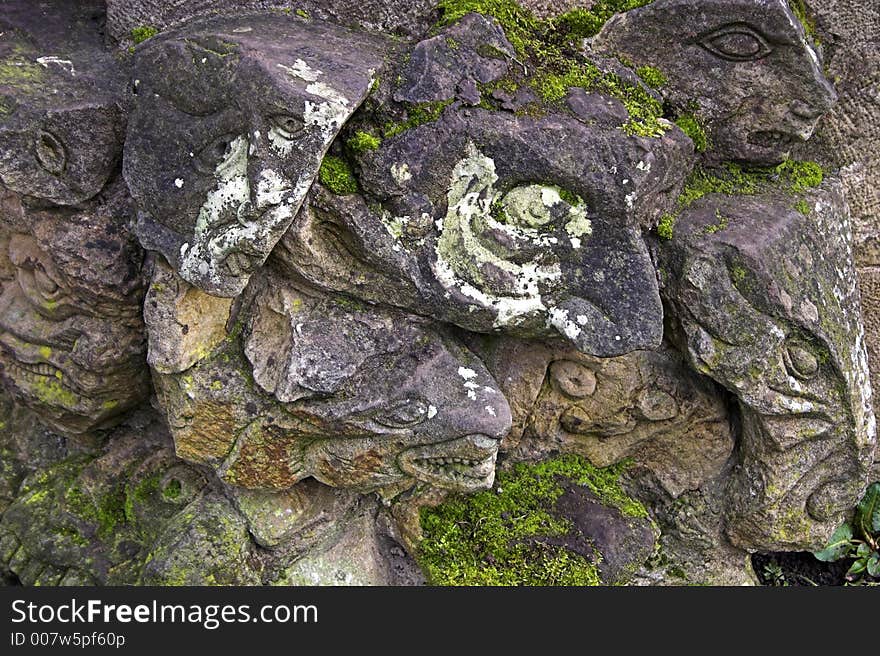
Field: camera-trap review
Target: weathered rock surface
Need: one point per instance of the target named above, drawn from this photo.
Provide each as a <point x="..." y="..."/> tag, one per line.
<point x="389" y="254"/>
<point x="768" y="306"/>
<point x="71" y="331"/>
<point x="744" y="69"/>
<point x="231" y="120"/>
<point x="355" y="396"/>
<point x="61" y="117"/>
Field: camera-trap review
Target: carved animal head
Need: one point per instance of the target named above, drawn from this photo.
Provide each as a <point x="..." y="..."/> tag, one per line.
<point x="769" y="308"/>
<point x="231" y="121"/>
<point x="746" y="69"/>
<point x="71" y="335"/>
<point x="352" y="395"/>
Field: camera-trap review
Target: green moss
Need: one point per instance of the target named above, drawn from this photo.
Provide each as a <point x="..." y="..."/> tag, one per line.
<point x="666" y="226"/>
<point x="800" y="176"/>
<point x="302" y="13"/>
<point x="803" y="207"/>
<point x="651" y="76"/>
<point x="107" y="510"/>
<point x="510" y="535"/>
<point x="552" y="49"/>
<point x="140" y="494"/>
<point x="723" y="222"/>
<point x="692" y="127"/>
<point x="336" y="174"/>
<point x="362" y="141"/>
<point x="799" y="9"/>
<point x="519" y="24"/>
<point x="452" y="43"/>
<point x="172" y="490"/>
<point x="142" y="33"/>
<point x="417" y="114"/>
<point x="52" y="392"/>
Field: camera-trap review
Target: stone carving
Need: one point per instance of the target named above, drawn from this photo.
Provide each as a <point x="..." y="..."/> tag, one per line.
<point x="498" y="222"/>
<point x="848" y="139"/>
<point x="745" y="69"/>
<point x="65" y="145"/>
<point x="349" y="394"/>
<point x="645" y="406"/>
<point x="231" y="120"/>
<point x="768" y="306"/>
<point x="385" y="251"/>
<point x="71" y="333"/>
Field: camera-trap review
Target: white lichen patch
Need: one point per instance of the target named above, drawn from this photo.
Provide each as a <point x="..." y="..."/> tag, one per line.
<point x="432" y="411"/>
<point x="271" y="188"/>
<point x="401" y="173"/>
<point x="66" y="64"/>
<point x="466" y="262"/>
<point x="466" y="373"/>
<point x="559" y="319"/>
<point x="178" y="182"/>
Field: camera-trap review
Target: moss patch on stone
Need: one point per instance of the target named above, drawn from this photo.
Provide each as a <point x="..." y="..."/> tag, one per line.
<point x="511" y="534"/>
<point x="336" y="174"/>
<point x="141" y="33"/>
<point x="666" y="226"/>
<point x="652" y="76"/>
<point x="417" y="114"/>
<point x="362" y="141"/>
<point x="692" y="127"/>
<point x="552" y="63"/>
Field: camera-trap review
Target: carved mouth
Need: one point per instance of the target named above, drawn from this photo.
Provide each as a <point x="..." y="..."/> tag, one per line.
<point x="773" y="139"/>
<point x="465" y="464"/>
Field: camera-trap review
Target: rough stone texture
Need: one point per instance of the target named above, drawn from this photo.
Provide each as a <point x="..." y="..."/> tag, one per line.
<point x="71" y="332"/>
<point x="462" y="220"/>
<point x="355" y="396"/>
<point x="407" y="18"/>
<point x="744" y="68"/>
<point x="463" y="278"/>
<point x="769" y="307"/>
<point x="60" y="146"/>
<point x="232" y="118"/>
<point x="848" y="138"/>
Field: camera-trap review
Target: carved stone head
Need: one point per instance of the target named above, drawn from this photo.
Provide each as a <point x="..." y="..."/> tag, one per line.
<point x="71" y="334"/>
<point x="61" y="121"/>
<point x="232" y="118"/>
<point x="768" y="306"/>
<point x="746" y="69"/>
<point x="352" y="395"/>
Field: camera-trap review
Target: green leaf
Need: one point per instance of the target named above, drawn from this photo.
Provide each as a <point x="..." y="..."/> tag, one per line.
<point x="839" y="546"/>
<point x="868" y="510"/>
<point x="864" y="550"/>
<point x="857" y="568"/>
<point x="874" y="565"/>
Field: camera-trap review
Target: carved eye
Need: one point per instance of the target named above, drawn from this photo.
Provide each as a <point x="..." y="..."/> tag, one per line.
<point x="50" y="152"/>
<point x="286" y="125"/>
<point x="738" y="43"/>
<point x="404" y="414"/>
<point x="216" y="152"/>
<point x="800" y="361"/>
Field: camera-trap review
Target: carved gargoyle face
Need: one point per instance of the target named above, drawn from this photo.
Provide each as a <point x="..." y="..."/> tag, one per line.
<point x="71" y="336"/>
<point x="768" y="307"/>
<point x="744" y="68"/>
<point x="231" y="121"/>
<point x="354" y="396"/>
<point x="535" y="232"/>
<point x="644" y="405"/>
<point x="60" y="145"/>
